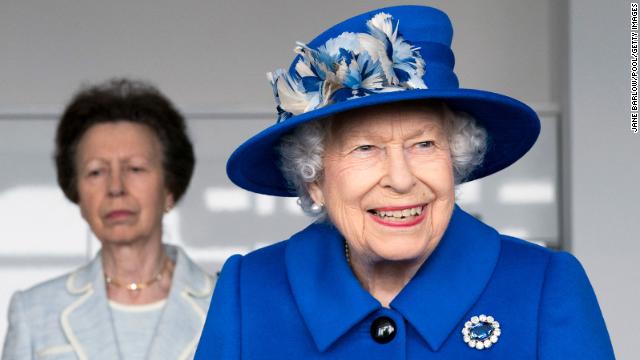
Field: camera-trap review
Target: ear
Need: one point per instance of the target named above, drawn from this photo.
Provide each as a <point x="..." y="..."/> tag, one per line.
<point x="316" y="193"/>
<point x="169" y="201"/>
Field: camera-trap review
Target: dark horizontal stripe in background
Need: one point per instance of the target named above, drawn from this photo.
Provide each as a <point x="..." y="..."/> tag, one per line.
<point x="31" y="261"/>
<point x="20" y="115"/>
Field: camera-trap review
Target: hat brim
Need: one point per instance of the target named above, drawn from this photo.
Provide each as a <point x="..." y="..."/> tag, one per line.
<point x="512" y="127"/>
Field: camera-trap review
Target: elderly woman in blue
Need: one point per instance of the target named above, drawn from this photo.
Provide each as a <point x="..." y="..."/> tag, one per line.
<point x="373" y="135"/>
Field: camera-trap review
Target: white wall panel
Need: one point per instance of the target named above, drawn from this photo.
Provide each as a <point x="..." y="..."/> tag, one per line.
<point x="605" y="171"/>
<point x="213" y="55"/>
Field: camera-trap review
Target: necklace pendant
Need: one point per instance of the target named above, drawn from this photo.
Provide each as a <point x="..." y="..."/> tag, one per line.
<point x="133" y="287"/>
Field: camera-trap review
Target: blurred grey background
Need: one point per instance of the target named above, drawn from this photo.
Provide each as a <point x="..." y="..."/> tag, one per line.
<point x="577" y="190"/>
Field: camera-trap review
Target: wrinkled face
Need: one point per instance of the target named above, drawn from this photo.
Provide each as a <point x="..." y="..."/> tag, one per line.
<point x="388" y="182"/>
<point x="122" y="193"/>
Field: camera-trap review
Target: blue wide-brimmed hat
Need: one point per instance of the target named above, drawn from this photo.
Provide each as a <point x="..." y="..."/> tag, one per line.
<point x="388" y="55"/>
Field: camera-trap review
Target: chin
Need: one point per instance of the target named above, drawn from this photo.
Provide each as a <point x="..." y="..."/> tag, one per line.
<point x="402" y="253"/>
<point x="118" y="239"/>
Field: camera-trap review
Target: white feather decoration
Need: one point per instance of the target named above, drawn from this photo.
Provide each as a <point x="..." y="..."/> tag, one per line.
<point x="348" y="66"/>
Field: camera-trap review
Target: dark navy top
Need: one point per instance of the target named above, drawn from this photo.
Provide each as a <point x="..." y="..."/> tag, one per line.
<point x="299" y="299"/>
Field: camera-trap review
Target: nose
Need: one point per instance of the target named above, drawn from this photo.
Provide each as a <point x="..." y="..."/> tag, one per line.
<point x="399" y="175"/>
<point x="116" y="184"/>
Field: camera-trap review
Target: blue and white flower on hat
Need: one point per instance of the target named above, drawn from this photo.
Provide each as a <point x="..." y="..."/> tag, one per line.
<point x="348" y="66"/>
<point x="407" y="66"/>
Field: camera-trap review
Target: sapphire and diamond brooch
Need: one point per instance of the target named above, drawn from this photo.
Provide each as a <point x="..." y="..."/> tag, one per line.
<point x="481" y="332"/>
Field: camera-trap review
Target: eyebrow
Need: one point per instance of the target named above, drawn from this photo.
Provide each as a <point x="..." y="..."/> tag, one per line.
<point x="369" y="134"/>
<point x="106" y="161"/>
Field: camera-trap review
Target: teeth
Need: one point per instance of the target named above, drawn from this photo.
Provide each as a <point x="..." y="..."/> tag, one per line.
<point x="399" y="214"/>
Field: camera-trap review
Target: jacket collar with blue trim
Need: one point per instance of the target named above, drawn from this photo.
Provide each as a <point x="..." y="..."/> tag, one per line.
<point x="332" y="301"/>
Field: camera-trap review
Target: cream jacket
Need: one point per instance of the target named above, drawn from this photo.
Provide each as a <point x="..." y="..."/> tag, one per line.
<point x="69" y="317"/>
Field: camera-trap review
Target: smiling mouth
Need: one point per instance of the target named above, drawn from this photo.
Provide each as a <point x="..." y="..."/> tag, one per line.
<point x="397" y="214"/>
<point x="406" y="216"/>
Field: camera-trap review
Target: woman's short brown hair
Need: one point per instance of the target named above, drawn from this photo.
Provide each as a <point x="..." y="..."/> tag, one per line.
<point x="124" y="100"/>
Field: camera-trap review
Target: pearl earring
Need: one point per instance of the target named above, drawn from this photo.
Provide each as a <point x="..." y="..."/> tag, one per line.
<point x="316" y="208"/>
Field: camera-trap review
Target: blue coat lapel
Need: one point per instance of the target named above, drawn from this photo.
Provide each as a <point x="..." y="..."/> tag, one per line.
<point x="328" y="294"/>
<point x="452" y="278"/>
<point x="331" y="300"/>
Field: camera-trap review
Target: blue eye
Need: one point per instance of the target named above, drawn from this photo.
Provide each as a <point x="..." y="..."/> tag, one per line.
<point x="425" y="144"/>
<point x="364" y="148"/>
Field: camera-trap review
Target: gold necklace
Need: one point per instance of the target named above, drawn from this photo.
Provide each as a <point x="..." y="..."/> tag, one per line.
<point x="134" y="286"/>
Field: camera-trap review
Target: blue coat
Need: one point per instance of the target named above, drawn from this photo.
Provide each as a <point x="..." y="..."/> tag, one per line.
<point x="298" y="299"/>
<point x="69" y="317"/>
